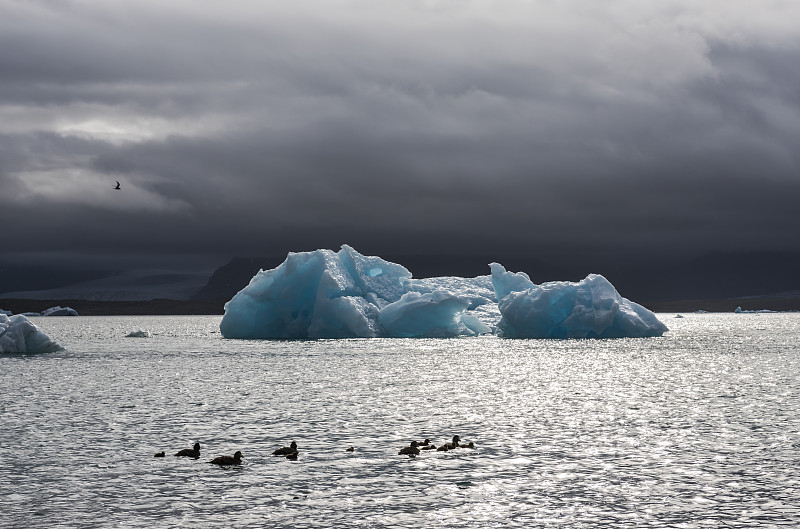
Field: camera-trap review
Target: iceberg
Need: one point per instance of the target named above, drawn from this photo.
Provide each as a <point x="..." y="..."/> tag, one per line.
<point x="590" y="308"/>
<point x="759" y="311"/>
<point x="139" y="333"/>
<point x="344" y="294"/>
<point x="19" y="335"/>
<point x="59" y="311"/>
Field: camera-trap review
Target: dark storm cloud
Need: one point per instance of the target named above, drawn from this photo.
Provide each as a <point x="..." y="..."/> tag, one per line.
<point x="553" y="130"/>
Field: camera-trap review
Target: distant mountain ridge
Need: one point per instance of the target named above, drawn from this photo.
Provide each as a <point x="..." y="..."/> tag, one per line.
<point x="712" y="276"/>
<point x="133" y="285"/>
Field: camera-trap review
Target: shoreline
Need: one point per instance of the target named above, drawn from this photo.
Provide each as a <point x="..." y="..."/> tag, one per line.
<point x="152" y="307"/>
<point x="215" y="307"/>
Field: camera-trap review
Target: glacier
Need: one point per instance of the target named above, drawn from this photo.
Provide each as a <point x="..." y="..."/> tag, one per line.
<point x="19" y="335"/>
<point x="344" y="294"/>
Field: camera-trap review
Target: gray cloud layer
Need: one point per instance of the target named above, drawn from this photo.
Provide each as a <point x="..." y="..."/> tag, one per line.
<point x="562" y="130"/>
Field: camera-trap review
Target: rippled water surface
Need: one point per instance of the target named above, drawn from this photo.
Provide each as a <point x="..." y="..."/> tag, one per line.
<point x="698" y="428"/>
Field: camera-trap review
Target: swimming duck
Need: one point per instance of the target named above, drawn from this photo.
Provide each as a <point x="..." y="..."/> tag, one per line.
<point x="190" y="452"/>
<point x="351" y="449"/>
<point x="286" y="450"/>
<point x="426" y="445"/>
<point x="410" y="450"/>
<point x="449" y="446"/>
<point x="160" y="454"/>
<point x="236" y="459"/>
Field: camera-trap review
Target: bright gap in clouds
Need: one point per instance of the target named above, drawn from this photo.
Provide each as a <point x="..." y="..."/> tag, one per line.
<point x="79" y="187"/>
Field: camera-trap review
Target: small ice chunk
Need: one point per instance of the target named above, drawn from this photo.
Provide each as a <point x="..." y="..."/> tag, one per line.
<point x="139" y="333"/>
<point x="19" y="335"/>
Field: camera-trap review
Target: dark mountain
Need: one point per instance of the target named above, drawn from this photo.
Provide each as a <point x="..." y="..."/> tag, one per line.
<point x="25" y="277"/>
<point x="233" y="276"/>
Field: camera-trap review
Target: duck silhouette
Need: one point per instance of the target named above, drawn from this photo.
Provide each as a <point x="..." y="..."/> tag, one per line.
<point x="410" y="450"/>
<point x="117" y="186"/>
<point x="449" y="446"/>
<point x="190" y="452"/>
<point x="286" y="450"/>
<point x="426" y="445"/>
<point x="235" y="459"/>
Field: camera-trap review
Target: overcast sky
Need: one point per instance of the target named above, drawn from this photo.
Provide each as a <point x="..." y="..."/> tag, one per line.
<point x="559" y="129"/>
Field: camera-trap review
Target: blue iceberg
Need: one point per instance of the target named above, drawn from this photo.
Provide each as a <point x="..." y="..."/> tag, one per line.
<point x="344" y="294"/>
<point x="326" y="294"/>
<point x="19" y="335"/>
<point x="590" y="308"/>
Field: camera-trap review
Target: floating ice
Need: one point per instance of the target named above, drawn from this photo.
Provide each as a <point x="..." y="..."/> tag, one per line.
<point x="759" y="311"/>
<point x="326" y="294"/>
<point x="6" y="312"/>
<point x="139" y="333"/>
<point x="590" y="308"/>
<point x="59" y="311"/>
<point x="19" y="335"/>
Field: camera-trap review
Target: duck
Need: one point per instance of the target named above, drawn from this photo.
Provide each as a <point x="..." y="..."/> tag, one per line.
<point x="117" y="186"/>
<point x="449" y="446"/>
<point x="351" y="449"/>
<point x="410" y="450"/>
<point x="159" y="454"/>
<point x="426" y="445"/>
<point x="236" y="459"/>
<point x="286" y="450"/>
<point x="470" y="445"/>
<point x="190" y="452"/>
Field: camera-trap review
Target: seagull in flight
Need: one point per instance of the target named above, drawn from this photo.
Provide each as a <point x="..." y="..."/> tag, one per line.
<point x="117" y="186"/>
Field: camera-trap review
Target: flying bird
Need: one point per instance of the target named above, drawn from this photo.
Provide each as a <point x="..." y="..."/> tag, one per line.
<point x="117" y="186"/>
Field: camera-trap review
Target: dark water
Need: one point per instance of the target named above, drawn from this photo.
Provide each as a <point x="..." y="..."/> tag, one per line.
<point x="698" y="428"/>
